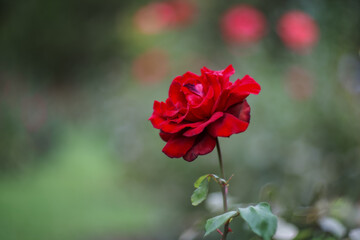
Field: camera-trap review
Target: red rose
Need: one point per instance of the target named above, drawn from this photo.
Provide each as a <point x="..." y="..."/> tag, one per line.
<point x="201" y="108"/>
<point x="243" y="24"/>
<point x="298" y="31"/>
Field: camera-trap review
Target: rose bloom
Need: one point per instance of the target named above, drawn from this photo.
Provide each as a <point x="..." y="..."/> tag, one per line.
<point x="243" y="24"/>
<point x="298" y="30"/>
<point x="201" y="108"/>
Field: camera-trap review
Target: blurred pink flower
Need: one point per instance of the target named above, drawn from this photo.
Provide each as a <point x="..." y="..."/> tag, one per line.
<point x="152" y="66"/>
<point x="185" y="11"/>
<point x="243" y="24"/>
<point x="299" y="83"/>
<point x="298" y="31"/>
<point x="160" y="16"/>
<point x="155" y="17"/>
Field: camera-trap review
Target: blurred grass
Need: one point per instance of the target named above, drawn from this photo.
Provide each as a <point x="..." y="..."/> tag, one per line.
<point x="80" y="190"/>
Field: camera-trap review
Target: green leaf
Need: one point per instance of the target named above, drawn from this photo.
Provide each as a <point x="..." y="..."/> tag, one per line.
<point x="199" y="180"/>
<point x="260" y="219"/>
<point x="201" y="192"/>
<point x="213" y="223"/>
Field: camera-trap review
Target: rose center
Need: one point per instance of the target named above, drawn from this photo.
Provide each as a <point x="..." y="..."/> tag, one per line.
<point x="195" y="88"/>
<point x="194" y="93"/>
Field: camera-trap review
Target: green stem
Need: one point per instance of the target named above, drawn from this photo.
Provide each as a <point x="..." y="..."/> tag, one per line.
<point x="223" y="189"/>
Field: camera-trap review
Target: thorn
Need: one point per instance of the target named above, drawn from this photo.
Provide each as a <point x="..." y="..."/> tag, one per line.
<point x="218" y="230"/>
<point x="227" y="182"/>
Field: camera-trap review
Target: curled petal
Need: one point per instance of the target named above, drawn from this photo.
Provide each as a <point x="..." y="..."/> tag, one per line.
<point x="170" y="109"/>
<point x="156" y="118"/>
<point x="222" y="76"/>
<point x="236" y="93"/>
<point x="247" y="84"/>
<point x="203" y="110"/>
<point x="175" y="93"/>
<point x="227" y="72"/>
<point x="189" y="75"/>
<point x="204" y="144"/>
<point x="158" y="107"/>
<point x="221" y="101"/>
<point x="212" y="79"/>
<point x="200" y="128"/>
<point x="236" y="120"/>
<point x="177" y="146"/>
<point x="227" y="126"/>
<point x="241" y="111"/>
<point x="241" y="89"/>
<point x="165" y="136"/>
<point x="171" y="127"/>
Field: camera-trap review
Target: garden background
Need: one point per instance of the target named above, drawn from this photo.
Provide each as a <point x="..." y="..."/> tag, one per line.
<point x="80" y="160"/>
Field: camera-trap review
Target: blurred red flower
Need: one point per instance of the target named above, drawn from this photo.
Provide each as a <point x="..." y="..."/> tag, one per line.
<point x="185" y="11"/>
<point x="152" y="66"/>
<point x="243" y="24"/>
<point x="298" y="31"/>
<point x="160" y="16"/>
<point x="201" y="108"/>
<point x="155" y="17"/>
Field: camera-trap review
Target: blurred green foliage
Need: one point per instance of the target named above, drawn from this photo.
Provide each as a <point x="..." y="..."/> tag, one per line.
<point x="76" y="192"/>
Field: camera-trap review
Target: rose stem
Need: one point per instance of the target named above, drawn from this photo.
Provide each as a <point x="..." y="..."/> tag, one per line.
<point x="223" y="189"/>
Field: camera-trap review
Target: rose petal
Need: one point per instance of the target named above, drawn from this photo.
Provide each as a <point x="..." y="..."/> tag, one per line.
<point x="201" y="127"/>
<point x="170" y="109"/>
<point x="236" y="120"/>
<point x="176" y="96"/>
<point x="211" y="78"/>
<point x="156" y="118"/>
<point x="227" y="126"/>
<point x="190" y="75"/>
<point x="165" y="136"/>
<point x="193" y="99"/>
<point x="203" y="145"/>
<point x="221" y="101"/>
<point x="248" y="84"/>
<point x="157" y="107"/>
<point x="227" y="72"/>
<point x="241" y="111"/>
<point x="237" y="93"/>
<point x="170" y="127"/>
<point x="203" y="110"/>
<point x="178" y="146"/>
<point x="222" y="76"/>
